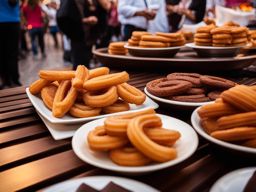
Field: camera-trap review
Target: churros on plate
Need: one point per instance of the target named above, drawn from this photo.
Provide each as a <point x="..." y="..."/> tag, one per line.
<point x="233" y="117"/>
<point x="135" y="139"/>
<point x="86" y="93"/>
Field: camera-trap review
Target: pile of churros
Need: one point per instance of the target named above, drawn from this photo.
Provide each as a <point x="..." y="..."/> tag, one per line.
<point x="223" y="36"/>
<point x="232" y="118"/>
<point x="86" y="93"/>
<point x="117" y="48"/>
<point x="159" y="40"/>
<point x="189" y="87"/>
<point x="134" y="139"/>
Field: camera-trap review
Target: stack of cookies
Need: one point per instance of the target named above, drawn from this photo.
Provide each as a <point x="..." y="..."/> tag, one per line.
<point x="252" y="37"/>
<point x="136" y="37"/>
<point x="203" y="36"/>
<point x="221" y="37"/>
<point x="239" y="36"/>
<point x="117" y="48"/>
<point x="175" y="39"/>
<point x="153" y="41"/>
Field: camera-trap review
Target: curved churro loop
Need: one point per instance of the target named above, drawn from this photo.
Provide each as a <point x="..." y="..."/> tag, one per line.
<point x="190" y="77"/>
<point x="162" y="136"/>
<point x="130" y="94"/>
<point x="118" y="106"/>
<point x="101" y="98"/>
<point x="218" y="82"/>
<point x="48" y="94"/>
<point x="82" y="74"/>
<point x="106" y="81"/>
<point x="241" y="97"/>
<point x="128" y="156"/>
<point x="98" y="72"/>
<point x="38" y="85"/>
<point x="62" y="101"/>
<point x="117" y="125"/>
<point x="98" y="140"/>
<point x="56" y="75"/>
<point x="148" y="147"/>
<point x="81" y="110"/>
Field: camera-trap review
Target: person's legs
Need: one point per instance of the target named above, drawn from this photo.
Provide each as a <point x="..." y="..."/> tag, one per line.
<point x="32" y="34"/>
<point x="10" y="53"/>
<point x="80" y="53"/>
<point x="40" y="35"/>
<point x="53" y="31"/>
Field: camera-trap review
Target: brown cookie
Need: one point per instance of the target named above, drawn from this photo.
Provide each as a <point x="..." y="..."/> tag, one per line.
<point x="190" y="77"/>
<point x="191" y="98"/>
<point x="239" y="35"/>
<point x="205" y="29"/>
<point x="170" y="35"/>
<point x="164" y="87"/>
<point x="178" y="43"/>
<point x="222" y="41"/>
<point x="195" y="91"/>
<point x="236" y="30"/>
<point x="133" y="43"/>
<point x="155" y="38"/>
<point x="216" y="82"/>
<point x="221" y="45"/>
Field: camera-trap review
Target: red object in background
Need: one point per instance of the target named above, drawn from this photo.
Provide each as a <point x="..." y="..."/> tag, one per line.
<point x="236" y="3"/>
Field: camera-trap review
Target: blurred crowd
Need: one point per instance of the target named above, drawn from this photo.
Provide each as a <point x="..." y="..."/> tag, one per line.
<point x="85" y="24"/>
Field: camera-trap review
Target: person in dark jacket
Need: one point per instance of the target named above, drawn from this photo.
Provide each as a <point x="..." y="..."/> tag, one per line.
<point x="9" y="42"/>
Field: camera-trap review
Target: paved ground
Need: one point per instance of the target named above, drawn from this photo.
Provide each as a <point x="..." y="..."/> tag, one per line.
<point x="30" y="66"/>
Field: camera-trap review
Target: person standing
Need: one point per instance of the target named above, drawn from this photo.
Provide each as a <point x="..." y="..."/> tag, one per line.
<point x="34" y="17"/>
<point x="134" y="15"/>
<point x="190" y="11"/>
<point x="51" y="9"/>
<point x="93" y="13"/>
<point x="9" y="42"/>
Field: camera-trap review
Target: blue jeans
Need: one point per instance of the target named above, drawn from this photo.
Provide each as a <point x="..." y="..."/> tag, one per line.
<point x="39" y="34"/>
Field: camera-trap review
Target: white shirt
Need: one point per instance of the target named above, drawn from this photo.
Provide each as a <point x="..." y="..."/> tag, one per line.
<point x="127" y="9"/>
<point x="160" y="22"/>
<point x="51" y="13"/>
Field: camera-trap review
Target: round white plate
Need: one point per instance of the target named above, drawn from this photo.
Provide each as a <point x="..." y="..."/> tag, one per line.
<point x="185" y="146"/>
<point x="151" y="48"/>
<point x="99" y="182"/>
<point x="193" y="45"/>
<point x="177" y="103"/>
<point x="234" y="181"/>
<point x="195" y="120"/>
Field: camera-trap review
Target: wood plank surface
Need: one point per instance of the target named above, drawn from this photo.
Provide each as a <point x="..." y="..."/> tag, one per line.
<point x="30" y="159"/>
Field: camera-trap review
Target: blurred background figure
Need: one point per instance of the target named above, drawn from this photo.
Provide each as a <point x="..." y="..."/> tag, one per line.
<point x="134" y="15"/>
<point x="9" y="43"/>
<point x="35" y="25"/>
<point x="90" y="20"/>
<point x="187" y="12"/>
<point x="210" y="7"/>
<point x="50" y="10"/>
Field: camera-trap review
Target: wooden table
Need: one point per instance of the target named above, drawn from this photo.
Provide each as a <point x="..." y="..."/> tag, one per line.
<point x="30" y="159"/>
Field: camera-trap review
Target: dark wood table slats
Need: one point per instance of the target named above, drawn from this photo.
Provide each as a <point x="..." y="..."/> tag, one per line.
<point x="30" y="159"/>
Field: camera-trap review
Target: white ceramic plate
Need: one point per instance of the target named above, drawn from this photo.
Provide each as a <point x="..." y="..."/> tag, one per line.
<point x="99" y="182"/>
<point x="193" y="45"/>
<point x="234" y="181"/>
<point x="185" y="146"/>
<point x="176" y="103"/>
<point x="195" y="120"/>
<point x="152" y="49"/>
<point x="60" y="131"/>
<point x="67" y="119"/>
